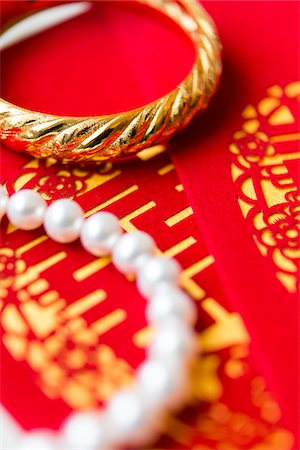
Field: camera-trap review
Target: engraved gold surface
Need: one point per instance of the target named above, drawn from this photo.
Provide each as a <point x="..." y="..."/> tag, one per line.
<point x="105" y="137"/>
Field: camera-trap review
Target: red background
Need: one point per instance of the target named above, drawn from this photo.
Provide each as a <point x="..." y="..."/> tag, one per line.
<point x="119" y="56"/>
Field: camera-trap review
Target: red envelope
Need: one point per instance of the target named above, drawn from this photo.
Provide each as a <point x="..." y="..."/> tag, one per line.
<point x="240" y="166"/>
<point x="72" y="328"/>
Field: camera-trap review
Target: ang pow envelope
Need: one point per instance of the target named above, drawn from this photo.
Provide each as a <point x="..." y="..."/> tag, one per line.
<point x="222" y="198"/>
<point x="243" y="181"/>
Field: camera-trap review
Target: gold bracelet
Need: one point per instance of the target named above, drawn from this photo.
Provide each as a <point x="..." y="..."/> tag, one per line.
<point x="102" y="138"/>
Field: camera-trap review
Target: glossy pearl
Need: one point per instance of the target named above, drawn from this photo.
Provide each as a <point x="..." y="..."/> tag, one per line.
<point x="100" y="233"/>
<point x="131" y="251"/>
<point x="155" y="271"/>
<point x="169" y="301"/>
<point x="163" y="384"/>
<point x="38" y="440"/>
<point x="173" y="341"/>
<point x="85" y="430"/>
<point x="63" y="220"/>
<point x="26" y="209"/>
<point x="3" y="201"/>
<point x="129" y="418"/>
<point x="133" y="417"/>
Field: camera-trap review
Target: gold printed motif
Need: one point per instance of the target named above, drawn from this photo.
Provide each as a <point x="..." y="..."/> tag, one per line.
<point x="189" y="273"/>
<point x="180" y="247"/>
<point x="69" y="359"/>
<point x="151" y="152"/>
<point x="179" y="188"/>
<point x="108" y="322"/>
<point x="54" y="337"/>
<point x="178" y="217"/>
<point x="126" y="220"/>
<point x="263" y="171"/>
<point x="85" y="303"/>
<point x="228" y="329"/>
<point x="143" y="337"/>
<point x="112" y="200"/>
<point x="89" y="269"/>
<point x="166" y="169"/>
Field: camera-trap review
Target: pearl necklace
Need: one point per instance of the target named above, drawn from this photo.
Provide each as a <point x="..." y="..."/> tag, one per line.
<point x="133" y="416"/>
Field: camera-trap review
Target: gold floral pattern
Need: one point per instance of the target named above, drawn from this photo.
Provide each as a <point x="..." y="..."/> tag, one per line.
<point x="63" y="344"/>
<point x="264" y="170"/>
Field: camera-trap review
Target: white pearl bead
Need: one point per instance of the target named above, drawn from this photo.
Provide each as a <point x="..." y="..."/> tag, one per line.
<point x="3" y="201"/>
<point x="163" y="384"/>
<point x="38" y="440"/>
<point x="131" y="251"/>
<point x="26" y="209"/>
<point x="85" y="430"/>
<point x="63" y="220"/>
<point x="173" y="340"/>
<point x="156" y="270"/>
<point x="130" y="421"/>
<point x="100" y="233"/>
<point x="169" y="301"/>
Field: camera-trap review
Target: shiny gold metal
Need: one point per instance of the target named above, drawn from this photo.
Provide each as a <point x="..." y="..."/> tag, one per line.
<point x="103" y="138"/>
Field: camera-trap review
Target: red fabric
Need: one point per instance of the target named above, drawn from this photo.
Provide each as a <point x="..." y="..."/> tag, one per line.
<point x="65" y="74"/>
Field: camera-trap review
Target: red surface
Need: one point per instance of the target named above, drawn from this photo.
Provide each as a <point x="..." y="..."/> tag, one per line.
<point x="260" y="50"/>
<point x="82" y="68"/>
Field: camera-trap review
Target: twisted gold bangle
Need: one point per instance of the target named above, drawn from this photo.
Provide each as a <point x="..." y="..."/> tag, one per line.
<point x="103" y="138"/>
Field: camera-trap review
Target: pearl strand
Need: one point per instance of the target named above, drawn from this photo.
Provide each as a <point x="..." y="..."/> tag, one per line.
<point x="132" y="416"/>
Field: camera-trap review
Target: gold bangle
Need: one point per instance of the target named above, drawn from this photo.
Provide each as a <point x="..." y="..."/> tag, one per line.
<point x="102" y="138"/>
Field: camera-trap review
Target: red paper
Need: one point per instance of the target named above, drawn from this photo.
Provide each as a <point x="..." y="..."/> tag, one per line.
<point x="260" y="69"/>
<point x="82" y="67"/>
